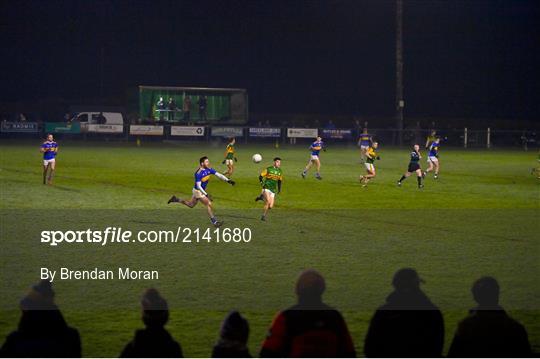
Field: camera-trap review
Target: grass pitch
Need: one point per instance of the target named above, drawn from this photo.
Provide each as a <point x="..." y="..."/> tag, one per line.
<point x="479" y="218"/>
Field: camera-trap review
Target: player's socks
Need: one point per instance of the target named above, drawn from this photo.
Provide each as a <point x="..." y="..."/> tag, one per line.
<point x="303" y="174"/>
<point x="45" y="178"/>
<point x="402" y="179"/>
<point x="419" y="179"/>
<point x="173" y="199"/>
<point x="51" y="175"/>
<point x="215" y="222"/>
<point x="318" y="176"/>
<point x="259" y="198"/>
<point x="263" y="218"/>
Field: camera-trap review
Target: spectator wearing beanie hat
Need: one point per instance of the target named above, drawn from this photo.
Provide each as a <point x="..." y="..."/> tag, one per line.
<point x="233" y="338"/>
<point x="42" y="330"/>
<point x="154" y="341"/>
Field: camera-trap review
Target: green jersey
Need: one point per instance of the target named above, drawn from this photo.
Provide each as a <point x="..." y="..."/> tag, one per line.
<point x="271" y="177"/>
<point x="229" y="152"/>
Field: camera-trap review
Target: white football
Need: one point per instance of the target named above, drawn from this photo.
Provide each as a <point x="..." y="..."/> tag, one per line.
<point x="256" y="158"/>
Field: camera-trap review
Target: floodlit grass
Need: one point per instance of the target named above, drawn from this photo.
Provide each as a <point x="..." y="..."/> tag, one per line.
<point x="479" y="218"/>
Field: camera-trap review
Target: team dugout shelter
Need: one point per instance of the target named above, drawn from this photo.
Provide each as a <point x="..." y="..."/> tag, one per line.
<point x="223" y="105"/>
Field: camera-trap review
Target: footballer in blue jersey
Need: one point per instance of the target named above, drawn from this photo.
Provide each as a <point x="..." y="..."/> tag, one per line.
<point x="414" y="167"/>
<point x="433" y="158"/>
<point x="199" y="194"/>
<point x="315" y="149"/>
<point x="49" y="148"/>
<point x="365" y="141"/>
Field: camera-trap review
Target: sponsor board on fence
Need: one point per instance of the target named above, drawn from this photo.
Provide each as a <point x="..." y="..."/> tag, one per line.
<point x="302" y="132"/>
<point x="227" y="131"/>
<point x="146" y="130"/>
<point x="187" y="131"/>
<point x="8" y="126"/>
<point x="105" y="128"/>
<point x="62" y="127"/>
<point x="337" y="133"/>
<point x="264" y="132"/>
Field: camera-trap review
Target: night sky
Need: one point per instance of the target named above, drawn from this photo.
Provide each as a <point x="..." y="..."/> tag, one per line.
<point x="462" y="58"/>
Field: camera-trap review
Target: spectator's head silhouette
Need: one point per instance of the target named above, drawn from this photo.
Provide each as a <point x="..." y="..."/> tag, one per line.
<point x="235" y="328"/>
<point x="40" y="297"/>
<point x="486" y="292"/>
<point x="406" y="279"/>
<point x="310" y="286"/>
<point x="155" y="310"/>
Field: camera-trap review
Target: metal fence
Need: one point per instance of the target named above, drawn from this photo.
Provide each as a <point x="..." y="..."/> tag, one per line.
<point x="487" y="138"/>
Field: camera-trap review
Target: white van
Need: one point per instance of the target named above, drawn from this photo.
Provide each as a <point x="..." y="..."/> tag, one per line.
<point x="101" y="122"/>
<point x="99" y="118"/>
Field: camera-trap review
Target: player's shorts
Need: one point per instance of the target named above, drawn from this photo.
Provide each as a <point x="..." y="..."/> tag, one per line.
<point x="198" y="194"/>
<point x="272" y="194"/>
<point x="314" y="157"/>
<point x="229" y="162"/>
<point x="364" y="148"/>
<point x="413" y="167"/>
<point x="370" y="167"/>
<point x="432" y="159"/>
<point x="46" y="162"/>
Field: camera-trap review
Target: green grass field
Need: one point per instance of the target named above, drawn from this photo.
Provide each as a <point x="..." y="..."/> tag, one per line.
<point x="479" y="218"/>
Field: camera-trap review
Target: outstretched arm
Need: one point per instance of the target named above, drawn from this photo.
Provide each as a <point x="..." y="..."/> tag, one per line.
<point x="225" y="179"/>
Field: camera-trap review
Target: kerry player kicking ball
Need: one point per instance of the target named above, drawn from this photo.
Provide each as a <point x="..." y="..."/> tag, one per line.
<point x="270" y="179"/>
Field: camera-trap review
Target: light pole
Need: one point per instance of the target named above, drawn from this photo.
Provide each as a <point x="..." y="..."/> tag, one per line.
<point x="400" y="103"/>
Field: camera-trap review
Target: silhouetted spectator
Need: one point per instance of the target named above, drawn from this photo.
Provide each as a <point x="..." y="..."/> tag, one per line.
<point x="310" y="328"/>
<point x="161" y="107"/>
<point x="203" y="110"/>
<point x="101" y="119"/>
<point x="357" y="126"/>
<point x="330" y="125"/>
<point x="488" y="331"/>
<point x="171" y="106"/>
<point x="232" y="338"/>
<point x="408" y="324"/>
<point x="153" y="341"/>
<point x="187" y="108"/>
<point x="42" y="330"/>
